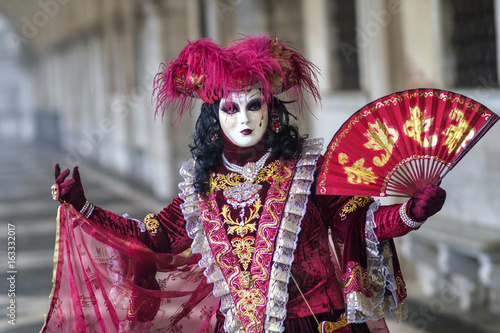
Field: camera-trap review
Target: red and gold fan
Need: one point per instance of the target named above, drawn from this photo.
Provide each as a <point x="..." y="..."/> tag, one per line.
<point x="399" y="143"/>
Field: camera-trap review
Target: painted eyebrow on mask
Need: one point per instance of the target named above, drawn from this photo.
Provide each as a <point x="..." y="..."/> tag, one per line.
<point x="234" y="107"/>
<point x="254" y="102"/>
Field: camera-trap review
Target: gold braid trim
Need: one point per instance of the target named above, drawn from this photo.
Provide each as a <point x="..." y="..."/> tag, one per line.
<point x="219" y="182"/>
<point x="331" y="327"/>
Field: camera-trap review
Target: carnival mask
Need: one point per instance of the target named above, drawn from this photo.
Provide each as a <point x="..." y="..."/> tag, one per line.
<point x="243" y="118"/>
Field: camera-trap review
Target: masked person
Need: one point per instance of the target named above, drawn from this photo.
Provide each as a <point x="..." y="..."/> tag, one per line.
<point x="274" y="255"/>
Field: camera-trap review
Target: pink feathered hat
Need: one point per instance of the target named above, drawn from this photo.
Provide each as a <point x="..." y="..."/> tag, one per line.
<point x="210" y="72"/>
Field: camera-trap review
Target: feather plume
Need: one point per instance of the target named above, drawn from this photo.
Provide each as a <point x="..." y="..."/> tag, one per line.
<point x="274" y="67"/>
<point x="200" y="71"/>
<point x="207" y="71"/>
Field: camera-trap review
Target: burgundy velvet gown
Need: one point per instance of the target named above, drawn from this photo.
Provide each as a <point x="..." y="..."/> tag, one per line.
<point x="260" y="245"/>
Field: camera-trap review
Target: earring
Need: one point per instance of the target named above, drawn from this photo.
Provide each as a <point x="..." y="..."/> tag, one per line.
<point x="214" y="133"/>
<point x="275" y="122"/>
<point x="213" y="136"/>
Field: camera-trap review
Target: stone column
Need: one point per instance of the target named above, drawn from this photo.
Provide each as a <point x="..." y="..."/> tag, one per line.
<point x="316" y="38"/>
<point x="372" y="19"/>
<point x="158" y="149"/>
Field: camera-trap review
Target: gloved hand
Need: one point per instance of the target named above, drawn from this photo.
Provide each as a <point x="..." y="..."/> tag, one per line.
<point x="426" y="202"/>
<point x="71" y="190"/>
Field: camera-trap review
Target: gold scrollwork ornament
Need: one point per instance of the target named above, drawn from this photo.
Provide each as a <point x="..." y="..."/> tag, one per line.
<point x="250" y="299"/>
<point x="151" y="223"/>
<point x="244" y="248"/>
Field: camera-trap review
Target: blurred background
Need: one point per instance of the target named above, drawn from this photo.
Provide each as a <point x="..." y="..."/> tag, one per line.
<point x="75" y="88"/>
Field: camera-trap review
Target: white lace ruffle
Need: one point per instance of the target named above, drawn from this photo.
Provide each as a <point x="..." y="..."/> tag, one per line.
<point x="194" y="227"/>
<point x="361" y="308"/>
<point x="286" y="241"/>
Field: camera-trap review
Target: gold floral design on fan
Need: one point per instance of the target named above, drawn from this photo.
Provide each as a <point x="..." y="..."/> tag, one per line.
<point x="357" y="173"/>
<point x="381" y="137"/>
<point x="455" y="134"/>
<point x="418" y="125"/>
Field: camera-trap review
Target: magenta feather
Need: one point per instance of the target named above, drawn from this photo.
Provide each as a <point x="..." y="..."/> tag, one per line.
<point x="207" y="71"/>
<point x="202" y="65"/>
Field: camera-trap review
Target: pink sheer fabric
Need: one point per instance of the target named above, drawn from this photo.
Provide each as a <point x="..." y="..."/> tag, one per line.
<point x="103" y="283"/>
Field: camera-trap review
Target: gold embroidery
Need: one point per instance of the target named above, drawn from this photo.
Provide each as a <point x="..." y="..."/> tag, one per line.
<point x="241" y="196"/>
<point x="455" y="133"/>
<point x="250" y="306"/>
<point x="151" y="223"/>
<point x="279" y="197"/>
<point x="416" y="127"/>
<point x="355" y="203"/>
<point x="357" y="276"/>
<point x="381" y="137"/>
<point x="243" y="248"/>
<point x="250" y="299"/>
<point x="219" y="182"/>
<point x="241" y="228"/>
<point x="269" y="173"/>
<point x="357" y="173"/>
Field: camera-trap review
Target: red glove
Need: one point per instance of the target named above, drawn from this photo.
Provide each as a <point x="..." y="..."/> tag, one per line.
<point x="426" y="202"/>
<point x="70" y="191"/>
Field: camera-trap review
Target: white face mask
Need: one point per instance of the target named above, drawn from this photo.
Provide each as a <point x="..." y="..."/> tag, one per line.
<point x="242" y="118"/>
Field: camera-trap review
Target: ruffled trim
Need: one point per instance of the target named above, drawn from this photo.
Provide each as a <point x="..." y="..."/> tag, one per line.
<point x="286" y="241"/>
<point x="194" y="227"/>
<point x="382" y="278"/>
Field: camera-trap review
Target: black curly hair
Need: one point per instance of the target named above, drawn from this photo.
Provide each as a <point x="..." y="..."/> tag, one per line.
<point x="207" y="152"/>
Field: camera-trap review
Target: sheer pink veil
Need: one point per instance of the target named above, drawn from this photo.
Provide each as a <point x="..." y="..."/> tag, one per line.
<point x="105" y="282"/>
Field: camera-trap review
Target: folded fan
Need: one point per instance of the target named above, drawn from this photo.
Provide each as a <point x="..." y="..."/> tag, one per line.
<point x="401" y="142"/>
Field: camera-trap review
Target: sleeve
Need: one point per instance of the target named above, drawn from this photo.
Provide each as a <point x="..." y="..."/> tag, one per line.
<point x="163" y="233"/>
<point x="339" y="211"/>
<point x="389" y="223"/>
